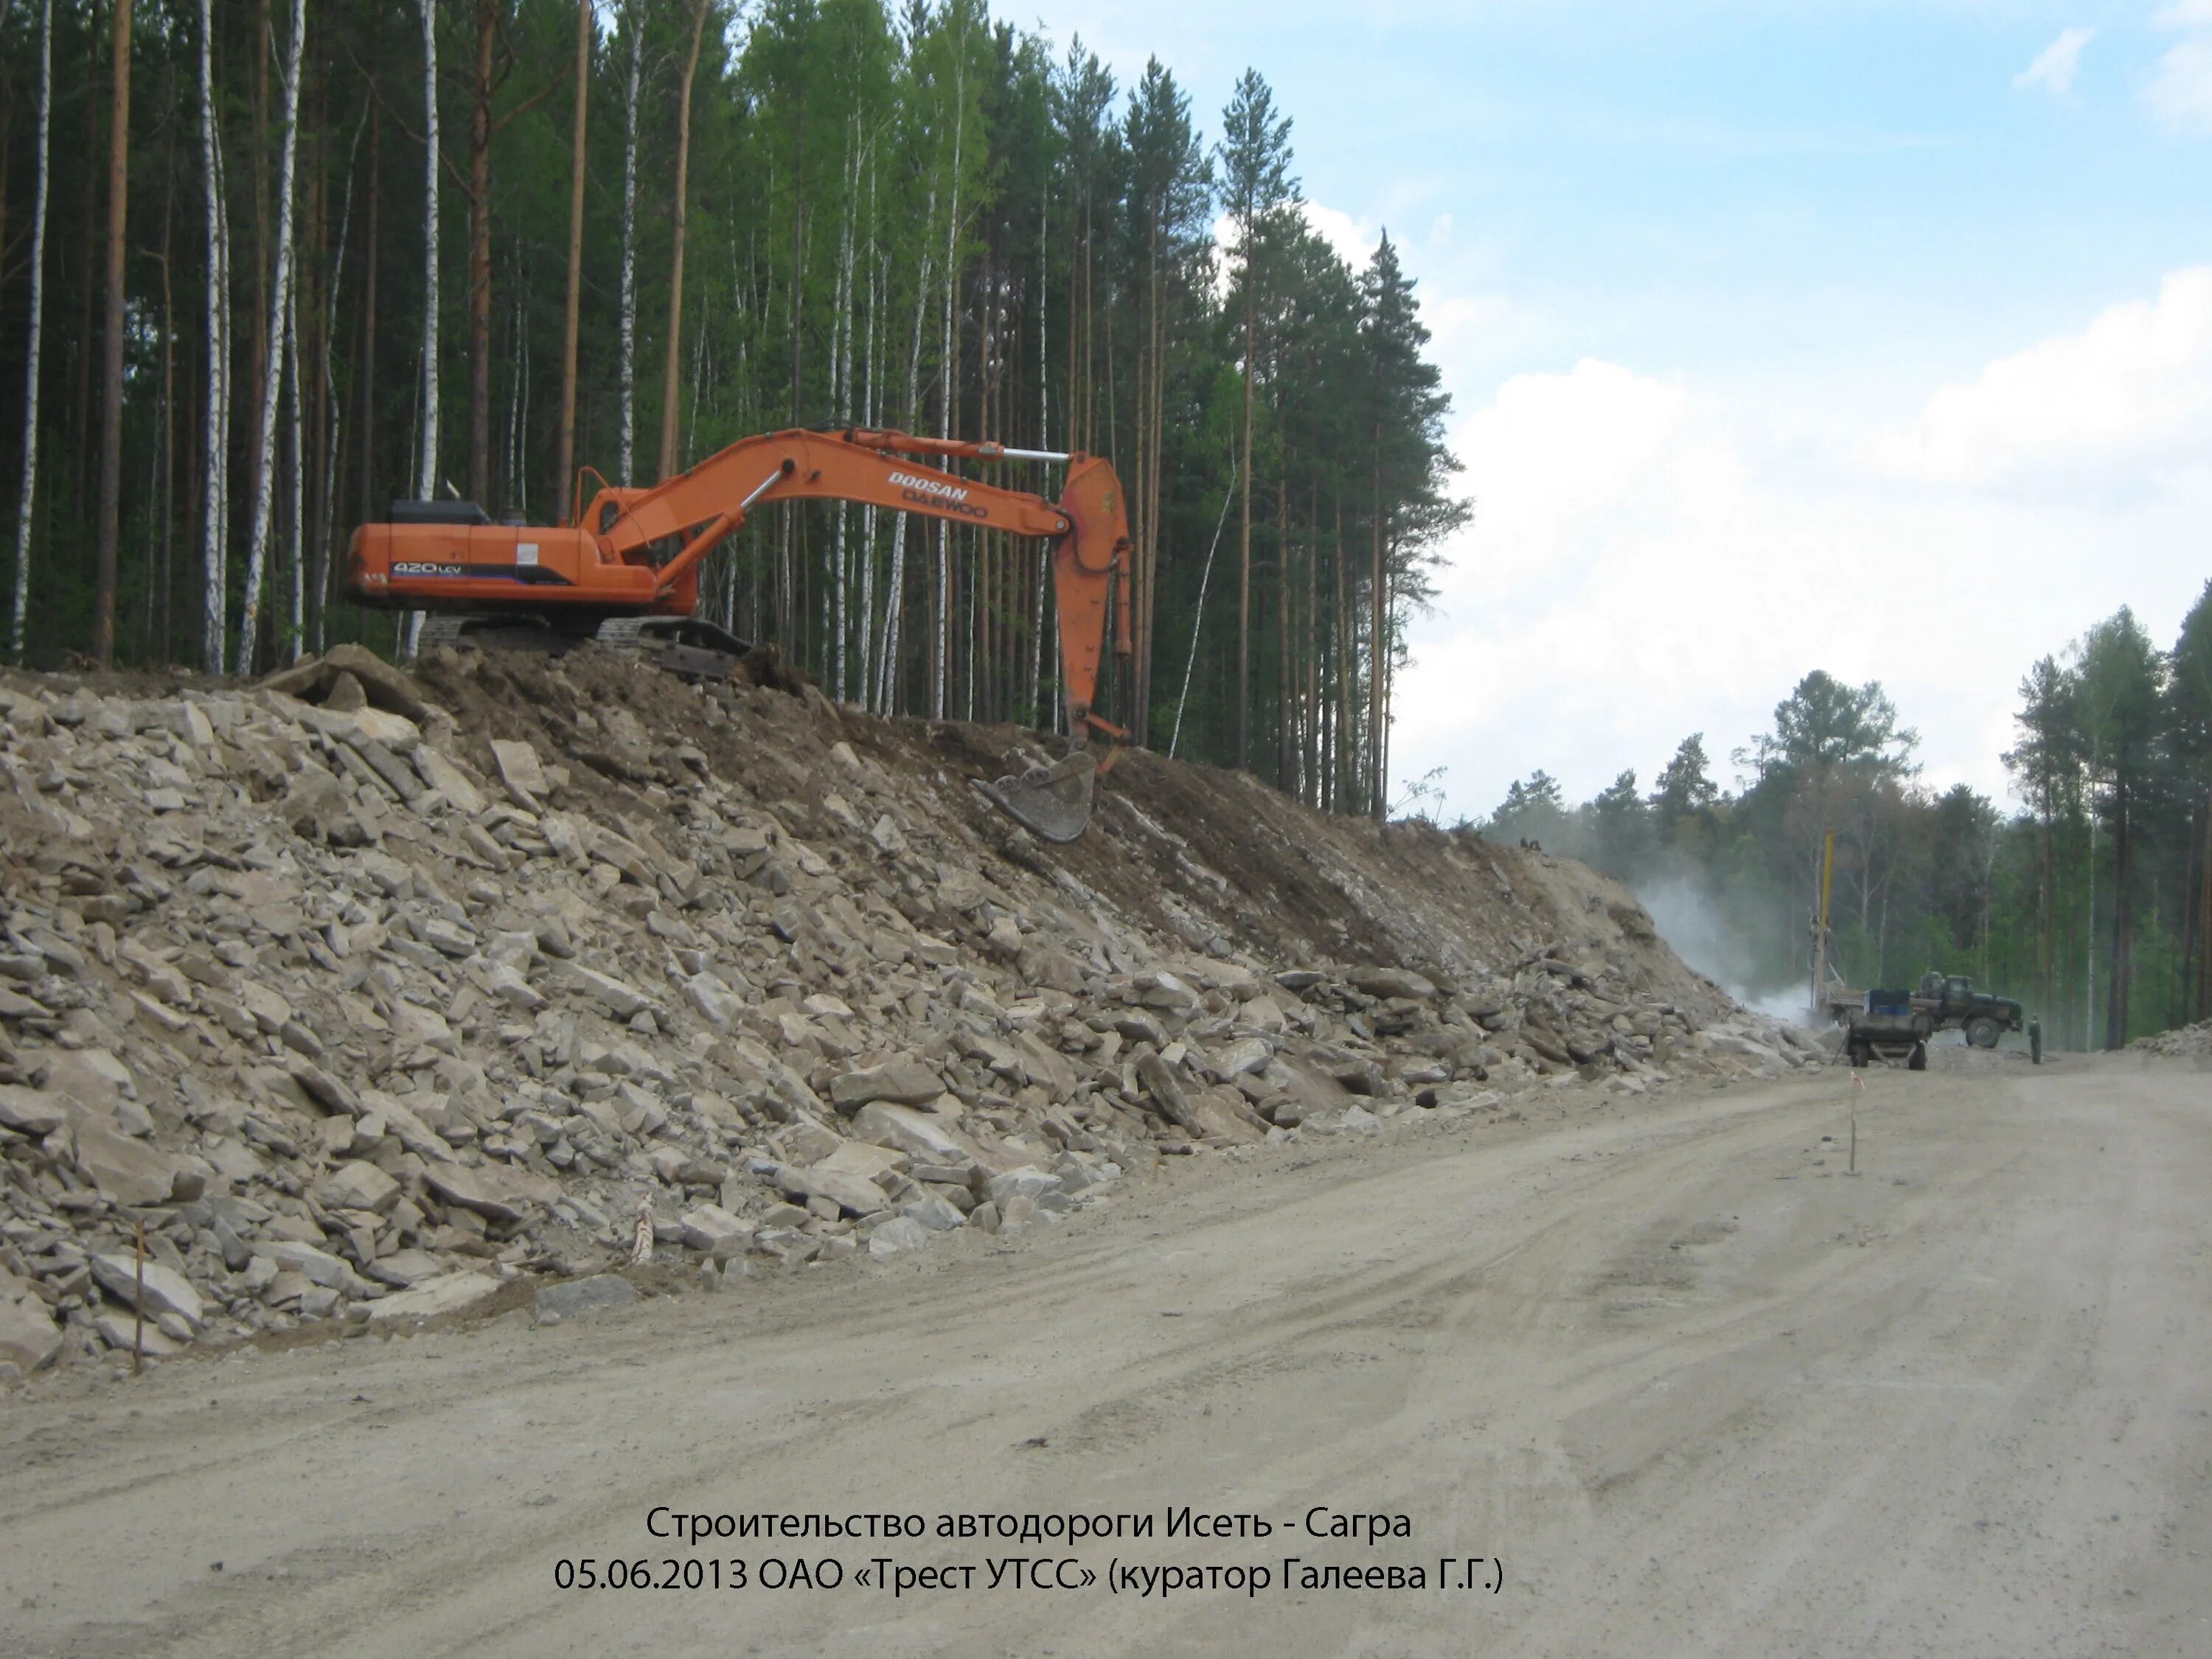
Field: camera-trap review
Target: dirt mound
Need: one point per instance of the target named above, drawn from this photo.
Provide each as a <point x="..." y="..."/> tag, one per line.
<point x="372" y="1005"/>
<point x="2184" y="1042"/>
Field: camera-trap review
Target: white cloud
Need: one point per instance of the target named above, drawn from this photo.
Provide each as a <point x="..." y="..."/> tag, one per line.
<point x="2131" y="392"/>
<point x="1354" y="240"/>
<point x="2179" y="89"/>
<point x="2055" y="67"/>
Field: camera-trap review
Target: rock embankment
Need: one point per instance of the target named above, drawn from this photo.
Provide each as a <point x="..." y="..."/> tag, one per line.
<point x="367" y="994"/>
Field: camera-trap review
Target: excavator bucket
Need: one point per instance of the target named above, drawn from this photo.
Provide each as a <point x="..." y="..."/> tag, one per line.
<point x="1054" y="801"/>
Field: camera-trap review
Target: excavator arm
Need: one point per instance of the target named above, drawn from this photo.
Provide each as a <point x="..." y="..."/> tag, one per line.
<point x="1088" y="526"/>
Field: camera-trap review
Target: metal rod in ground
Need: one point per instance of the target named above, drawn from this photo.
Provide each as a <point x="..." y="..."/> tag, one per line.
<point x="138" y="1307"/>
<point x="1858" y="1088"/>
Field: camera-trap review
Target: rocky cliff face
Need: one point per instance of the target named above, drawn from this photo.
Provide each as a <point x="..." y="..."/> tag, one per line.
<point x="367" y="994"/>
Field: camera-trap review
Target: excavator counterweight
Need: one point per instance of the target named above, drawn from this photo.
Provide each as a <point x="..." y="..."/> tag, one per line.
<point x="627" y="571"/>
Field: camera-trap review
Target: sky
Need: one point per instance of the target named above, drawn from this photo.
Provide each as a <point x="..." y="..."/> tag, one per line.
<point x="1780" y="335"/>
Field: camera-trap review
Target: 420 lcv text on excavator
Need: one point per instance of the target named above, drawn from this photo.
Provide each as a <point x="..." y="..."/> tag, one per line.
<point x="626" y="572"/>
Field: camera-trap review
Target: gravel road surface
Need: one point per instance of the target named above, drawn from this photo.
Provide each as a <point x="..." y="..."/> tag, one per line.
<point x="1701" y="1390"/>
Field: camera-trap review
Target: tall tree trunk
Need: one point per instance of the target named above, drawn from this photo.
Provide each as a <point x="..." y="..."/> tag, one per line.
<point x="1044" y="442"/>
<point x="318" y="578"/>
<point x="628" y="449"/>
<point x="895" y="594"/>
<point x="111" y="372"/>
<point x="2121" y="973"/>
<point x="372" y="248"/>
<point x="296" y="622"/>
<point x="480" y="255"/>
<point x="1285" y="731"/>
<point x="26" y="502"/>
<point x="565" y="449"/>
<point x="840" y="365"/>
<point x="1377" y="804"/>
<point x="948" y="372"/>
<point x="264" y="472"/>
<point x="425" y="468"/>
<point x="1244" y="531"/>
<point x="216" y="508"/>
<point x="165" y="649"/>
<point x="671" y="461"/>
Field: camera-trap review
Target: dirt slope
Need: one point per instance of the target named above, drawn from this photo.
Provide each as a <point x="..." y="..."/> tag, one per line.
<point x="377" y="999"/>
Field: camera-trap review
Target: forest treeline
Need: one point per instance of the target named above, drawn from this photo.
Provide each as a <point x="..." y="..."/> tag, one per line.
<point x="266" y="265"/>
<point x="2091" y="900"/>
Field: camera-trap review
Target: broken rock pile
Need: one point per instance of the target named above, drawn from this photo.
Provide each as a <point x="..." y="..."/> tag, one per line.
<point x="366" y="995"/>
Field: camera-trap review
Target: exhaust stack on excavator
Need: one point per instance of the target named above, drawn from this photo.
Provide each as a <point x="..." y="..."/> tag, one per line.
<point x="627" y="571"/>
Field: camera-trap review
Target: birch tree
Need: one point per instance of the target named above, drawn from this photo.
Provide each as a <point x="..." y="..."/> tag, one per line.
<point x="629" y="472"/>
<point x="565" y="452"/>
<point x="426" y="472"/>
<point x="110" y="372"/>
<point x="215" y="509"/>
<point x="264" y="482"/>
<point x="671" y="462"/>
<point x="26" y="502"/>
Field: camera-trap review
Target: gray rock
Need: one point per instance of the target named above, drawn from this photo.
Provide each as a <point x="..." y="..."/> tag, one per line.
<point x="166" y="1289"/>
<point x="1027" y="1182"/>
<point x="505" y="982"/>
<point x="1159" y="1082"/>
<point x="898" y="1235"/>
<point x="119" y="1329"/>
<point x="711" y="1228"/>
<point x="494" y="1192"/>
<point x="619" y="1000"/>
<point x="934" y="1213"/>
<point x="905" y="1081"/>
<point x="130" y="1171"/>
<point x="316" y="1266"/>
<point x="519" y="771"/>
<point x="1246" y="1054"/>
<point x="712" y="996"/>
<point x="31" y="1111"/>
<point x="581" y="1296"/>
<point x="29" y="1339"/>
<point x="448" y="1293"/>
<point x="358" y="1185"/>
<point x="848" y="1191"/>
<point x="918" y="1134"/>
<point x="1393" y="982"/>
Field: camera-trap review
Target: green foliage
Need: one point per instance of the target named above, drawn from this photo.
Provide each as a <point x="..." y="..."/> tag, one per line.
<point x="2091" y="902"/>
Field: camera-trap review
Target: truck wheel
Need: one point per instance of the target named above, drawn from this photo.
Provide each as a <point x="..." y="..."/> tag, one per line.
<point x="1982" y="1031"/>
<point x="1919" y="1061"/>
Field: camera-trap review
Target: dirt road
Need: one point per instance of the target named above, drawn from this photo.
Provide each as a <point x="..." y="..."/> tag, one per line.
<point x="1700" y="1390"/>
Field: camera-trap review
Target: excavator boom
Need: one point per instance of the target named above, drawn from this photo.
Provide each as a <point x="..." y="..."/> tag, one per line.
<point x="635" y="553"/>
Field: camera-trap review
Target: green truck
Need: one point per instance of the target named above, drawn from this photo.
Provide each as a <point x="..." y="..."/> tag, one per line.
<point x="1893" y="1027"/>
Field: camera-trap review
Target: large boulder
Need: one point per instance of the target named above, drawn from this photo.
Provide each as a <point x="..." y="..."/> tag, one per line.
<point x="904" y="1081"/>
<point x="29" y="1339"/>
<point x="493" y="1191"/>
<point x="166" y="1291"/>
<point x="921" y="1135"/>
<point x="1393" y="982"/>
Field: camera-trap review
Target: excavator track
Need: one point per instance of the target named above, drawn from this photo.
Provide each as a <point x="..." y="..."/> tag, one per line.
<point x="686" y="647"/>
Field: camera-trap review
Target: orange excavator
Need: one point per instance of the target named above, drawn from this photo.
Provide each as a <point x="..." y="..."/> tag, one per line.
<point x="626" y="572"/>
